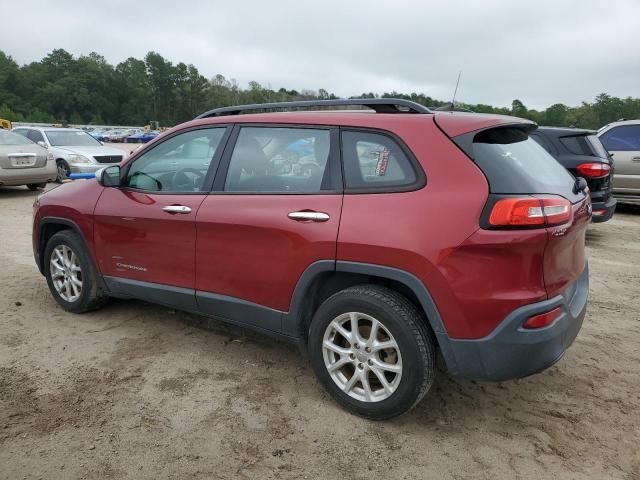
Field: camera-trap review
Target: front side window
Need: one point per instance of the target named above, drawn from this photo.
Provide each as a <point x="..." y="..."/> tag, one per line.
<point x="625" y="138"/>
<point x="177" y="165"/>
<point x="373" y="160"/>
<point x="71" y="138"/>
<point x="279" y="159"/>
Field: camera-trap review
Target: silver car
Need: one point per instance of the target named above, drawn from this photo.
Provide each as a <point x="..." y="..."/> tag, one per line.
<point x="622" y="140"/>
<point x="22" y="162"/>
<point x="74" y="150"/>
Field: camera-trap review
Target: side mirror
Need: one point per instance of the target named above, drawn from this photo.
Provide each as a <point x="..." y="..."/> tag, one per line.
<point x="42" y="144"/>
<point x="101" y="143"/>
<point x="109" y="176"/>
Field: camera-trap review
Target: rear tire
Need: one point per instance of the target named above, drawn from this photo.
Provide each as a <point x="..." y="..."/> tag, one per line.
<point x="36" y="186"/>
<point x="402" y="350"/>
<point x="70" y="274"/>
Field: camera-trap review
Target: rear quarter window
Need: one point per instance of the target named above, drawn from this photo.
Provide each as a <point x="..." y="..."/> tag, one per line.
<point x="376" y="162"/>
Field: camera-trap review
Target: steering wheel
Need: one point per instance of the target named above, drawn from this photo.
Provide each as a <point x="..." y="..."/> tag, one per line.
<point x="181" y="179"/>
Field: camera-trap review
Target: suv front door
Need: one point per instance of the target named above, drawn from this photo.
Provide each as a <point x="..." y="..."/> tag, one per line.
<point x="274" y="211"/>
<point x="145" y="229"/>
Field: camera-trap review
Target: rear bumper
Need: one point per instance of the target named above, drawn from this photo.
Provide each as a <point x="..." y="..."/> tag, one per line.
<point x="603" y="211"/>
<point x="627" y="198"/>
<point x="511" y="351"/>
<point x="25" y="176"/>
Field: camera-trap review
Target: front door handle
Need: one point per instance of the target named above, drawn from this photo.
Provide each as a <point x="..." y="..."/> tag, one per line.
<point x="177" y="209"/>
<point x="306" y="216"/>
<point x="635" y="159"/>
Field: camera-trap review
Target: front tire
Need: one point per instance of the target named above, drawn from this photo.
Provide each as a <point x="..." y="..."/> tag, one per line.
<point x="372" y="351"/>
<point x="63" y="171"/>
<point x="71" y="276"/>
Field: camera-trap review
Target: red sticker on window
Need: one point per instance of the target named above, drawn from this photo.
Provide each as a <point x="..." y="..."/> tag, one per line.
<point x="383" y="161"/>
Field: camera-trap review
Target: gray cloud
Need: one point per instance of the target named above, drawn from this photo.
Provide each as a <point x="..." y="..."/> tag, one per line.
<point x="541" y="52"/>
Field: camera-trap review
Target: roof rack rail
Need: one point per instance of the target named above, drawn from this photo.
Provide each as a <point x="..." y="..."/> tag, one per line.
<point x="380" y="105"/>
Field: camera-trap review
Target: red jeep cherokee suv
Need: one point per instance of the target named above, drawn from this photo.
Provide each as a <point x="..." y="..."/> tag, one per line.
<point x="374" y="239"/>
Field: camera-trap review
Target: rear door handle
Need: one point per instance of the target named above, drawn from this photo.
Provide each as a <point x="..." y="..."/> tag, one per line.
<point x="177" y="209"/>
<point x="306" y="216"/>
<point x="636" y="159"/>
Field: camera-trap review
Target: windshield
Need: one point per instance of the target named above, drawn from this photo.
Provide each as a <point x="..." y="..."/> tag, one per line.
<point x="10" y="138"/>
<point x="71" y="138"/>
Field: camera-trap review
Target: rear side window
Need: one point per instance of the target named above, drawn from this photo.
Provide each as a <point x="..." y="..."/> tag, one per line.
<point x="516" y="164"/>
<point x="624" y="138"/>
<point x="375" y="161"/>
<point x="280" y="160"/>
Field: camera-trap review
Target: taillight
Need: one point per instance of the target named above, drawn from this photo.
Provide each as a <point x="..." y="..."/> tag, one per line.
<point x="529" y="211"/>
<point x="542" y="320"/>
<point x="593" y="170"/>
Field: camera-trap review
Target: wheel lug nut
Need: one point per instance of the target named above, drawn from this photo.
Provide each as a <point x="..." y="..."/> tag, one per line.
<point x="367" y="349"/>
<point x="360" y="366"/>
<point x="352" y="356"/>
<point x="370" y="362"/>
<point x="356" y="346"/>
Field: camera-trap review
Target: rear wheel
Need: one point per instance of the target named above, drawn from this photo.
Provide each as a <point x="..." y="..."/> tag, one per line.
<point x="371" y="350"/>
<point x="63" y="171"/>
<point x="36" y="186"/>
<point x="71" y="276"/>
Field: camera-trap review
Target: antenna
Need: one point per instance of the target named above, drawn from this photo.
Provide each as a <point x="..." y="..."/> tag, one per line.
<point x="453" y="100"/>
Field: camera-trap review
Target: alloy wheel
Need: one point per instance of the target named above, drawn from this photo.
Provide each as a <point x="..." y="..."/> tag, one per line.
<point x="66" y="273"/>
<point x="362" y="357"/>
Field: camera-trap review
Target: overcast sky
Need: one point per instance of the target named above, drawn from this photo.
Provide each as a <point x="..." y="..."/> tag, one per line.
<point x="541" y="52"/>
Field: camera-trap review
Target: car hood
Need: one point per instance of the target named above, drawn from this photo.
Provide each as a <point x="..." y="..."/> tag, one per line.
<point x="91" y="151"/>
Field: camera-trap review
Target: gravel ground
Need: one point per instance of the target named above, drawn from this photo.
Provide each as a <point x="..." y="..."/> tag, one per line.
<point x="141" y="391"/>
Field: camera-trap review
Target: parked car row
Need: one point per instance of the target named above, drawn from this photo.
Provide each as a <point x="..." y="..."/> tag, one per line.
<point x="115" y="135"/>
<point x="70" y="150"/>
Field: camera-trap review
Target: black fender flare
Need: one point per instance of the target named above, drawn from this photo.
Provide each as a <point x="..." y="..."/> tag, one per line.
<point x="58" y="221"/>
<point x="292" y="320"/>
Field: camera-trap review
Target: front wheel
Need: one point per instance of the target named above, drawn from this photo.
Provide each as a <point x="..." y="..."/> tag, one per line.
<point x="371" y="349"/>
<point x="70" y="274"/>
<point x="63" y="171"/>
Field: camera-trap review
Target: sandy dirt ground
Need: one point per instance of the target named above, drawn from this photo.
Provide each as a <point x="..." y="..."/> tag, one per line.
<point x="139" y="391"/>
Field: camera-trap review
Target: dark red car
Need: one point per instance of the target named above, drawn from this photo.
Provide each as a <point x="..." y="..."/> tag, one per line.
<point x="392" y="235"/>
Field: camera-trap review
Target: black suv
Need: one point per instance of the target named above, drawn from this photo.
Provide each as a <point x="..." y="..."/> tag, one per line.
<point x="580" y="152"/>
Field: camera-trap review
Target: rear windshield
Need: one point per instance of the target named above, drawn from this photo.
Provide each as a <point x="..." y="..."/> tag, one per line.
<point x="10" y="138"/>
<point x="515" y="164"/>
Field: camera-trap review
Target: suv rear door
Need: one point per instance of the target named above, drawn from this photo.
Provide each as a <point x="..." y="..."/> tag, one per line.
<point x="518" y="167"/>
<point x="274" y="210"/>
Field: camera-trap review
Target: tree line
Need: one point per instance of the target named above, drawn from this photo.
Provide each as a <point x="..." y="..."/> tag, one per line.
<point x="88" y="90"/>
